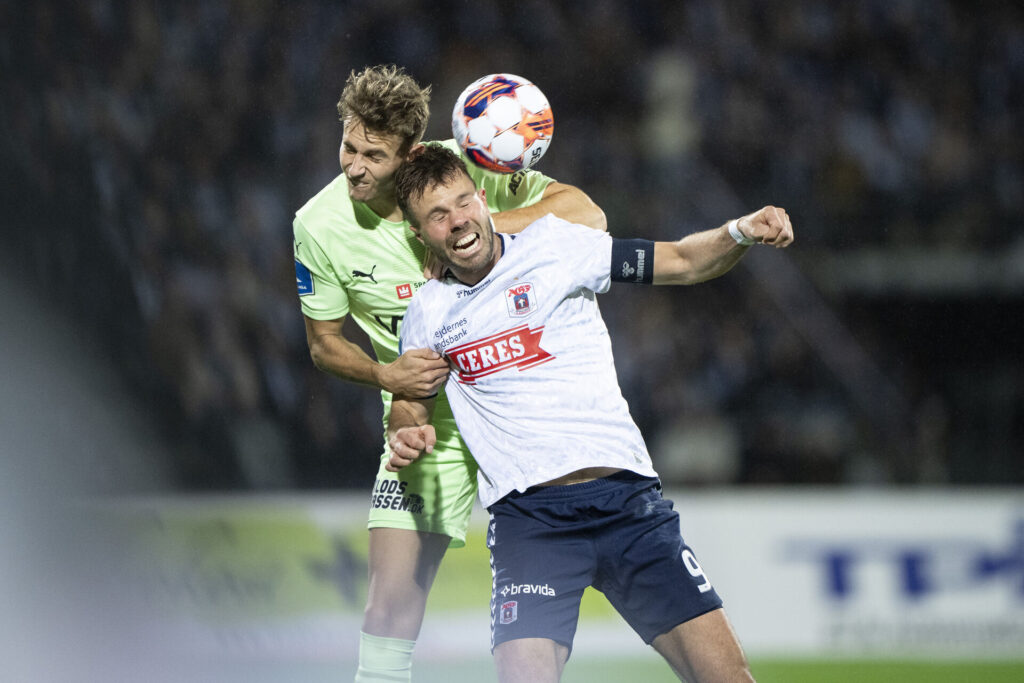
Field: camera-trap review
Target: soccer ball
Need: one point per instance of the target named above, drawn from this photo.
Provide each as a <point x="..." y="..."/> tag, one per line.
<point x="503" y="123"/>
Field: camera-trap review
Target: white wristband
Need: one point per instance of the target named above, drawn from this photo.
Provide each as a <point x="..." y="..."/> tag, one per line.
<point x="734" y="232"/>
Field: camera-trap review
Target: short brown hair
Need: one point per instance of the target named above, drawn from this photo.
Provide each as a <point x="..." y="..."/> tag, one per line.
<point x="387" y="100"/>
<point x="435" y="165"/>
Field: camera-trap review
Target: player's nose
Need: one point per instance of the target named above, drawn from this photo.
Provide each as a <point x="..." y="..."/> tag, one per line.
<point x="355" y="167"/>
<point x="462" y="219"/>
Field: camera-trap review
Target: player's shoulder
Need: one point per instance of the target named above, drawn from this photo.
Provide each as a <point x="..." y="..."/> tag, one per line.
<point x="553" y="239"/>
<point x="427" y="298"/>
<point x="437" y="294"/>
<point x="550" y="227"/>
<point x="434" y="290"/>
<point x="330" y="205"/>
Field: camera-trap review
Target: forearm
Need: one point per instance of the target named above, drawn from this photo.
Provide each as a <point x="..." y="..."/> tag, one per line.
<point x="338" y="356"/>
<point x="696" y="258"/>
<point x="410" y="433"/>
<point x="409" y="413"/>
<point x="565" y="201"/>
<point x="706" y="255"/>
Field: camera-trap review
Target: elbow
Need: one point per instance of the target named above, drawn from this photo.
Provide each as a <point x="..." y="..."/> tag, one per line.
<point x="593" y="216"/>
<point x="596" y="219"/>
<point x="574" y="205"/>
<point x="318" y="356"/>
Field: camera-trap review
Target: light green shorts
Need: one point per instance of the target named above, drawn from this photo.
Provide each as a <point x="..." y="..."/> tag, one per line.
<point x="435" y="493"/>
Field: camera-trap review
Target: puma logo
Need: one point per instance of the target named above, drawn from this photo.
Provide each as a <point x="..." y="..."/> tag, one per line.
<point x="359" y="273"/>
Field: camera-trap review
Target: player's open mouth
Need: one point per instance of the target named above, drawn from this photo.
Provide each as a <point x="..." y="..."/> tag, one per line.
<point x="467" y="242"/>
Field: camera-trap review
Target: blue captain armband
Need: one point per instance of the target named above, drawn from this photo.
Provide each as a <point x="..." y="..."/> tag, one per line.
<point x="632" y="261"/>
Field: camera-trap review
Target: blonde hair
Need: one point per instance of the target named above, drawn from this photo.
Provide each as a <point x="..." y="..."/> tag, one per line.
<point x="387" y="101"/>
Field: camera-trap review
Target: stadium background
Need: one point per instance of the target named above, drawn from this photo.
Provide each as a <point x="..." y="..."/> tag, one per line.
<point x="152" y="347"/>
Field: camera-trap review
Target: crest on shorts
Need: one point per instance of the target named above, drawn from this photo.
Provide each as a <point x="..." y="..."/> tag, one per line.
<point x="521" y="299"/>
<point x="509" y="612"/>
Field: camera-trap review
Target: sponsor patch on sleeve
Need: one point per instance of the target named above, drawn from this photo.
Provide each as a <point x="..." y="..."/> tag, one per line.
<point x="303" y="279"/>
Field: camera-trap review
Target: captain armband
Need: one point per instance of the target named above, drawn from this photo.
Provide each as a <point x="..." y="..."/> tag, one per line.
<point x="632" y="261"/>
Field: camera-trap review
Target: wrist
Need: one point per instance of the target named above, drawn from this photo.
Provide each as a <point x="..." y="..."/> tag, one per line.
<point x="379" y="376"/>
<point x="734" y="232"/>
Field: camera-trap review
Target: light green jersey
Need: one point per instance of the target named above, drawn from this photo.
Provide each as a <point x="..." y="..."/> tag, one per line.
<point x="349" y="261"/>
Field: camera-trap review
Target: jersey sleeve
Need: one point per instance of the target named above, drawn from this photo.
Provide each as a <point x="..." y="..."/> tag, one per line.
<point x="322" y="294"/>
<point x="586" y="252"/>
<point x="505" y="190"/>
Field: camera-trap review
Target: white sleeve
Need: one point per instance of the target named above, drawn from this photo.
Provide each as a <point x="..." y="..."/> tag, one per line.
<point x="587" y="253"/>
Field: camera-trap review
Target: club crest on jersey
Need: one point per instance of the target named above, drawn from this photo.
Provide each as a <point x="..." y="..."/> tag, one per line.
<point x="516" y="348"/>
<point x="403" y="291"/>
<point x="521" y="299"/>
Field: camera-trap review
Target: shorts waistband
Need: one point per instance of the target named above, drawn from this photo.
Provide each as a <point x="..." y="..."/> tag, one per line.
<point x="569" y="490"/>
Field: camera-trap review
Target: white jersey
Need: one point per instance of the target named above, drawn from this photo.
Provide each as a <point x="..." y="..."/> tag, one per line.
<point x="533" y="385"/>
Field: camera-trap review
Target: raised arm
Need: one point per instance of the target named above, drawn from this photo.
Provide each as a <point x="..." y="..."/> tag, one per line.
<point x="410" y="433"/>
<point x="565" y="201"/>
<point x="417" y="372"/>
<point x="706" y="255"/>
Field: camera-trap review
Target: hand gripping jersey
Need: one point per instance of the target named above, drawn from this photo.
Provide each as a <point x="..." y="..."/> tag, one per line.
<point x="533" y="385"/>
<point x="349" y="261"/>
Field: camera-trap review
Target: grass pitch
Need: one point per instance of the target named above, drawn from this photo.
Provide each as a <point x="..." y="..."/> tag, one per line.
<point x="616" y="670"/>
<point x="653" y="670"/>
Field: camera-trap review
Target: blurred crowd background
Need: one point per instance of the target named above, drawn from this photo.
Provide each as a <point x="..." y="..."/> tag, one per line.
<point x="155" y="153"/>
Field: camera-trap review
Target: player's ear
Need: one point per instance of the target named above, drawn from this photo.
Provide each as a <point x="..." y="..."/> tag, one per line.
<point x="416" y="231"/>
<point x="415" y="151"/>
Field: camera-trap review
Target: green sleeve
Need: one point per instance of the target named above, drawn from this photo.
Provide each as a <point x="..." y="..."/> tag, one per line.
<point x="323" y="296"/>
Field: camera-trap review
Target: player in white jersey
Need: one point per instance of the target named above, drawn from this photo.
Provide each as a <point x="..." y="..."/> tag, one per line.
<point x="355" y="255"/>
<point x="564" y="473"/>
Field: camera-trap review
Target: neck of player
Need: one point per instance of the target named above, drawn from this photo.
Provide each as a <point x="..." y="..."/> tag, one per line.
<point x="386" y="208"/>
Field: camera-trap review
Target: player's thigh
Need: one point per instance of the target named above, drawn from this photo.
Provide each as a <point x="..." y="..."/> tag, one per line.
<point x="705" y="650"/>
<point x="530" y="660"/>
<point x="435" y="494"/>
<point x="647" y="571"/>
<point x="539" y="572"/>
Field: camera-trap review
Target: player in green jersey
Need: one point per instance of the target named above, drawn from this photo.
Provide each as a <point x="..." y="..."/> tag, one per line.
<point x="355" y="255"/>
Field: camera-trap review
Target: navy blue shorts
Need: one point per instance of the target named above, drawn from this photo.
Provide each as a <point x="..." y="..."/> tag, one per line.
<point x="616" y="534"/>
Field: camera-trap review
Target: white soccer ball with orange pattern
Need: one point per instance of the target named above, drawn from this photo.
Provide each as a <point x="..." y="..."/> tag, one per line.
<point x="503" y="123"/>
